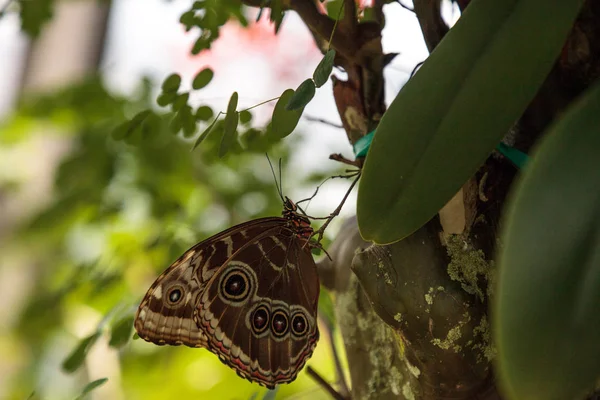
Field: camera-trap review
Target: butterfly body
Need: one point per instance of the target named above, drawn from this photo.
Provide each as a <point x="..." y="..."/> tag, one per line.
<point x="248" y="294"/>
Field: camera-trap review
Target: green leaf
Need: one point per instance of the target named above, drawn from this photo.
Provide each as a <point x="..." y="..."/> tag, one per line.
<point x="283" y="121"/>
<point x="302" y="96"/>
<point x="171" y="83"/>
<point x="121" y="332"/>
<point x="180" y="101"/>
<point x="34" y="15"/>
<point x="204" y="113"/>
<point x="121" y="131"/>
<point x="204" y="134"/>
<point x="326" y="309"/>
<point x="166" y="98"/>
<point x="77" y="356"/>
<point x="200" y="45"/>
<point x="546" y="309"/>
<point x="151" y="126"/>
<point x="335" y="9"/>
<point x="324" y="69"/>
<point x="188" y="121"/>
<point x="176" y="123"/>
<point x="245" y="116"/>
<point x="128" y="128"/>
<point x="448" y="118"/>
<point x="91" y="386"/>
<point x="276" y="14"/>
<point x="188" y="19"/>
<point x="231" y="123"/>
<point x="203" y="78"/>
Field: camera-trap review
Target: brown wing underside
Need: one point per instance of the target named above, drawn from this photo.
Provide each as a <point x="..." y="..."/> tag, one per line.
<point x="280" y="277"/>
<point x="161" y="321"/>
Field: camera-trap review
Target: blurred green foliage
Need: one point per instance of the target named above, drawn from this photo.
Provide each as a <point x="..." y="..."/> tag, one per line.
<point x="123" y="208"/>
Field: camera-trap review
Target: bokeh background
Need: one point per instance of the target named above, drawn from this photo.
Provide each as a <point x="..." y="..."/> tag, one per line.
<point x="88" y="222"/>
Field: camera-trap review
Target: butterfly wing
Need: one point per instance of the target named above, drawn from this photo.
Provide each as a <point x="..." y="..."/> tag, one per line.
<point x="259" y="310"/>
<point x="165" y="315"/>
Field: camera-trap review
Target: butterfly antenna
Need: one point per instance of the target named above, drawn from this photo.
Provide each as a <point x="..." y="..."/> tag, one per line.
<point x="280" y="181"/>
<point x="275" y="177"/>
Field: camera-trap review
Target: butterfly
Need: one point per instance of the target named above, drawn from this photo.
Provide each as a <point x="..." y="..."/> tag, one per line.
<point x="248" y="294"/>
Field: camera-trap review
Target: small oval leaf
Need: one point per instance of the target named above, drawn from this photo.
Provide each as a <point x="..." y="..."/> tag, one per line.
<point x="283" y="121"/>
<point x="231" y="123"/>
<point x="302" y="96"/>
<point x="166" y="98"/>
<point x="171" y="83"/>
<point x="188" y="121"/>
<point x="323" y="70"/>
<point x="204" y="113"/>
<point x="245" y="116"/>
<point x="180" y="101"/>
<point x="203" y="78"/>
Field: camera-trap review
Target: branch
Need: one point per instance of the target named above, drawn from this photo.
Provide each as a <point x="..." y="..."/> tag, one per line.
<point x="323" y="121"/>
<point x="348" y="22"/>
<point x="324" y="384"/>
<point x="433" y="26"/>
<point x="318" y="23"/>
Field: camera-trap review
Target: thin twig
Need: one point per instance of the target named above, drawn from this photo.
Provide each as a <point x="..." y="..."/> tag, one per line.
<point x="260" y="104"/>
<point x="315" y="375"/>
<point x="344" y="390"/>
<point x="323" y="121"/>
<point x="340" y="158"/>
<point x="336" y="212"/>
<point x="335" y="26"/>
<point x="405" y="6"/>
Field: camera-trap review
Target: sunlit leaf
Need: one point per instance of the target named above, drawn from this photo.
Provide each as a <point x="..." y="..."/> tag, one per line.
<point x="231" y="123"/>
<point x="203" y="78"/>
<point x="449" y="117"/>
<point x="547" y="324"/>
<point x="324" y="69"/>
<point x="302" y="96"/>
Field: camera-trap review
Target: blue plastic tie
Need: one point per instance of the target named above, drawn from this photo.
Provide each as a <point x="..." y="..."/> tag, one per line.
<point x="517" y="157"/>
